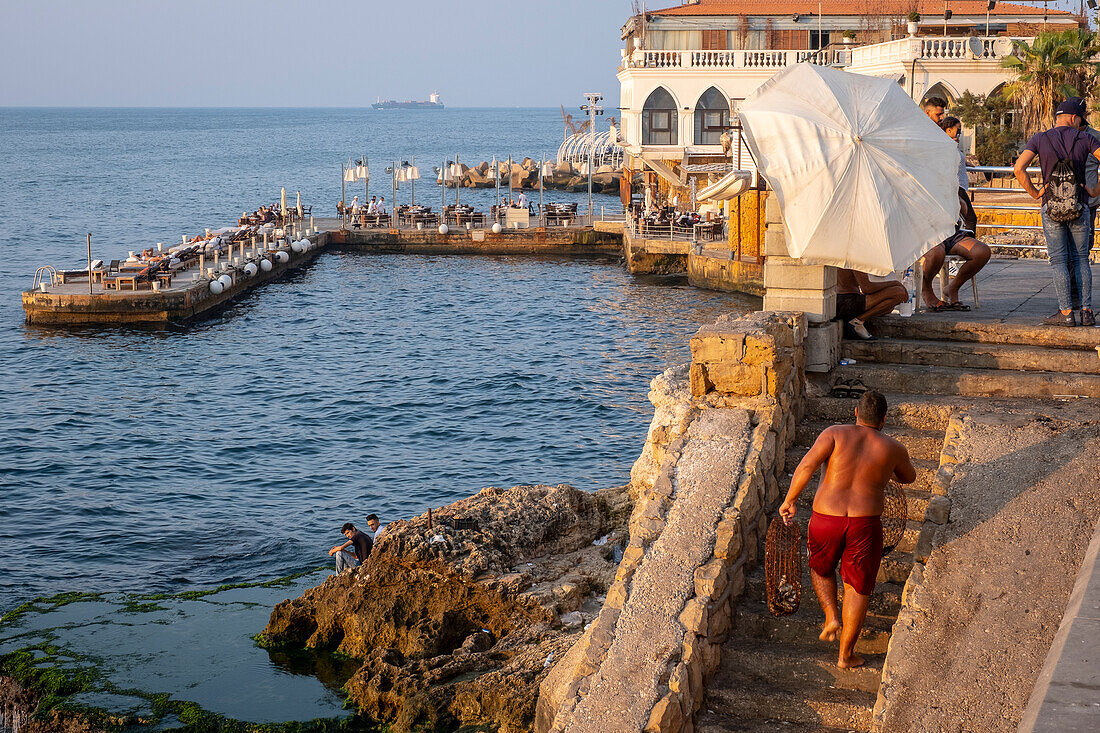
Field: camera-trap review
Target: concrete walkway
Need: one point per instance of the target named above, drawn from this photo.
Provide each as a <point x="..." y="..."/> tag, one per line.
<point x="1012" y="291"/>
<point x="1066" y="698"/>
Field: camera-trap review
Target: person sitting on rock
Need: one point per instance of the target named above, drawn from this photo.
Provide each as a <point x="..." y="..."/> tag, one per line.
<point x="376" y="527"/>
<point x="846" y="525"/>
<point x="859" y="299"/>
<point x="345" y="558"/>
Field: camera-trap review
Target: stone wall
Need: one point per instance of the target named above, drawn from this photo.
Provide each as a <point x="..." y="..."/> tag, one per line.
<point x="707" y="476"/>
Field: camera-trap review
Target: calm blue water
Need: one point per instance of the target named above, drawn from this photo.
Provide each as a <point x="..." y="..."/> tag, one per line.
<point x="234" y="449"/>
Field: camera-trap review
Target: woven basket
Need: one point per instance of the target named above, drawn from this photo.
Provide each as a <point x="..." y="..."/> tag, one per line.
<point x="895" y="512"/>
<point x="783" y="566"/>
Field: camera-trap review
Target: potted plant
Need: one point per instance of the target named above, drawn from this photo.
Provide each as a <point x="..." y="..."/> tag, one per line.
<point x="914" y="18"/>
<point x="849" y="37"/>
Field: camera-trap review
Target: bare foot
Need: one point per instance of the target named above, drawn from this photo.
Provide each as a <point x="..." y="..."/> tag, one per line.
<point x="851" y="662"/>
<point x="828" y="631"/>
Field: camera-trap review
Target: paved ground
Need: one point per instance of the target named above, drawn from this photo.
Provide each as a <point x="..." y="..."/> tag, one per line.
<point x="1024" y="503"/>
<point x="1013" y="291"/>
<point x="1066" y="698"/>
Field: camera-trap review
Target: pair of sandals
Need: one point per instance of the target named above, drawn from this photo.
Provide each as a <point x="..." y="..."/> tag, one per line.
<point x="943" y="306"/>
<point x="848" y="388"/>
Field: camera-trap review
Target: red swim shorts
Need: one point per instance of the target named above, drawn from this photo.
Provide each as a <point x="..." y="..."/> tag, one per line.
<point x="855" y="542"/>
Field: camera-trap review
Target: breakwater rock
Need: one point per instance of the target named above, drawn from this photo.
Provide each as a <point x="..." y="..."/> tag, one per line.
<point x="457" y="623"/>
<point x="524" y="174"/>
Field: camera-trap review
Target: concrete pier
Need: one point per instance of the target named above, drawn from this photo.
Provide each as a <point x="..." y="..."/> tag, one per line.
<point x="186" y="299"/>
<point x="575" y="241"/>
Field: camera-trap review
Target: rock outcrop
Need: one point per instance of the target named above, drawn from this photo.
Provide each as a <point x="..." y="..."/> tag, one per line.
<point x="458" y="626"/>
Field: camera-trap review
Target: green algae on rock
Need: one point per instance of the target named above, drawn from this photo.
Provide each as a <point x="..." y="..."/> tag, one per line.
<point x="117" y="662"/>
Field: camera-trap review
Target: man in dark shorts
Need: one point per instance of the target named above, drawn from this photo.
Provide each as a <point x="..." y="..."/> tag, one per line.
<point x="846" y="525"/>
<point x="859" y="299"/>
<point x="962" y="244"/>
<point x="361" y="544"/>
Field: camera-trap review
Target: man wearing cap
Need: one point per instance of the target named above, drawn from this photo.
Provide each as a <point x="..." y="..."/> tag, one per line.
<point x="1067" y="241"/>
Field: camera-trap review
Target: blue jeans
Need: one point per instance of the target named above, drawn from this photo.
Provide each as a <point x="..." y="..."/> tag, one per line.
<point x="345" y="560"/>
<point x="1068" y="249"/>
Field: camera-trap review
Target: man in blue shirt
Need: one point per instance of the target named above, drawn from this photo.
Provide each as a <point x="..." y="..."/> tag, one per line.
<point x="1067" y="242"/>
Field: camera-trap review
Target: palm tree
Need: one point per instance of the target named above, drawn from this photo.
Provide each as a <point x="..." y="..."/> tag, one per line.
<point x="1053" y="66"/>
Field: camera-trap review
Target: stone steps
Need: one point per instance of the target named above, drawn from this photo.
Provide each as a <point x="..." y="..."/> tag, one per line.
<point x="829" y="706"/>
<point x="712" y="722"/>
<point x="972" y="329"/>
<point x="972" y="355"/>
<point x="917" y="494"/>
<point x="924" y="380"/>
<point x="922" y="412"/>
<point x="922" y="444"/>
<point x="814" y="664"/>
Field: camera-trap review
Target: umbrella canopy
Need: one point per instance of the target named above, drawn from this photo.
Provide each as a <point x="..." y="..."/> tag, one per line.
<point x="298" y="205"/>
<point x="282" y="202"/>
<point x="865" y="179"/>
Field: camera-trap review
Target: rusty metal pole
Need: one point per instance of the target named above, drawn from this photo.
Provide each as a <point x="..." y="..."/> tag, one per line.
<point x="89" y="263"/>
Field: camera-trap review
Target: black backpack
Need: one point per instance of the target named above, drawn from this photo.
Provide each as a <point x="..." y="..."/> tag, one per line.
<point x="1062" y="204"/>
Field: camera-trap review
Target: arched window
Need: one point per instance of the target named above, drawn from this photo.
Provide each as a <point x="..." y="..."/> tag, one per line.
<point x="712" y="116"/>
<point x="659" y="119"/>
<point x="939" y="90"/>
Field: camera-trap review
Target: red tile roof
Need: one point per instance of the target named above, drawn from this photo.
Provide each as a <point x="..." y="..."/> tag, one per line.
<point x="927" y="8"/>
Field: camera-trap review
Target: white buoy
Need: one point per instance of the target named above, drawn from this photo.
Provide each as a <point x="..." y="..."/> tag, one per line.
<point x="443" y="229"/>
<point x="265" y="265"/>
<point x="216" y="287"/>
<point x="250" y="269"/>
<point x="296" y="246"/>
<point x="496" y="227"/>
<point x="282" y="257"/>
<point x="226" y="281"/>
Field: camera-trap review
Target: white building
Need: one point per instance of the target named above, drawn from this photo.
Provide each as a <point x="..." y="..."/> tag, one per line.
<point x="685" y="68"/>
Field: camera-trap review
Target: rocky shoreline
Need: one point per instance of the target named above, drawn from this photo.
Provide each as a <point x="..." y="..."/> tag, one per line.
<point x="458" y="627"/>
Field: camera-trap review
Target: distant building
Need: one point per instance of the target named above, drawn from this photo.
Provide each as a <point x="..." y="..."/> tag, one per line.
<point x="685" y="69"/>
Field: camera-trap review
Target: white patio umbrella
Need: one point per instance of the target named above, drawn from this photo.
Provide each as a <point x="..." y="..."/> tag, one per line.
<point x="865" y="180"/>
<point x="298" y="205"/>
<point x="282" y="202"/>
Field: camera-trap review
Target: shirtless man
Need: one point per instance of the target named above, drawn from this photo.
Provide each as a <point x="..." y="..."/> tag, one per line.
<point x="846" y="525"/>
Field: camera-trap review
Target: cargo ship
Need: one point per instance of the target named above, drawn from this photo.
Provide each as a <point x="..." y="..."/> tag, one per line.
<point x="432" y="103"/>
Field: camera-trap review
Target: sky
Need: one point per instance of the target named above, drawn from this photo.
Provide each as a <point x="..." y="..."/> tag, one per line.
<point x="323" y="53"/>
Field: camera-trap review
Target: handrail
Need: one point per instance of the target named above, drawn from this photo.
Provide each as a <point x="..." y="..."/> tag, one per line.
<point x="38" y="274"/>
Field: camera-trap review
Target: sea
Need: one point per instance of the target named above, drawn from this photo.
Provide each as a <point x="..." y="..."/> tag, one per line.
<point x="140" y="461"/>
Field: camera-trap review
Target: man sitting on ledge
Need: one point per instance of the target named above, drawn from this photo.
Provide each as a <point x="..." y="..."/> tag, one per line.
<point x="345" y="558"/>
<point x="859" y="299"/>
<point x="846" y="525"/>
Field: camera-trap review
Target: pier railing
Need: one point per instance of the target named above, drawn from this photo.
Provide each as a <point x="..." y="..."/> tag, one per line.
<point x="702" y="232"/>
<point x="544" y="217"/>
<point x="1006" y="205"/>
